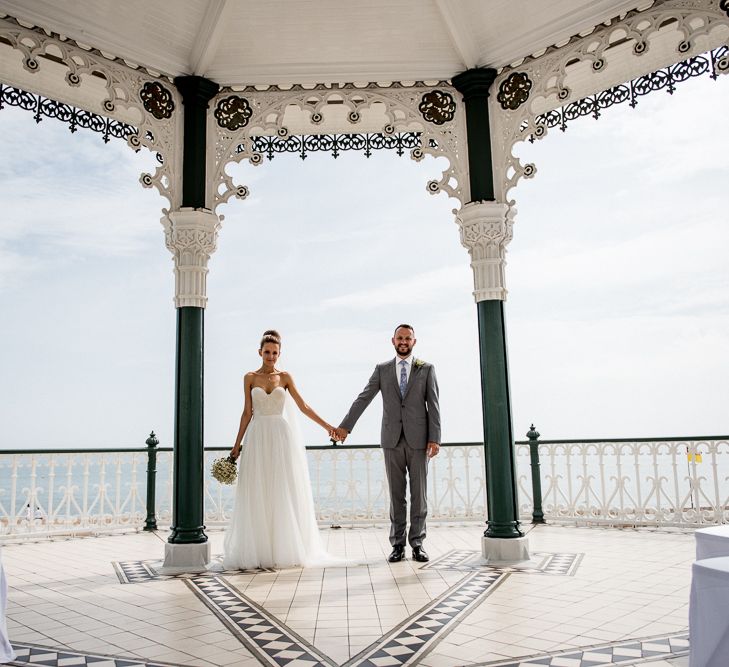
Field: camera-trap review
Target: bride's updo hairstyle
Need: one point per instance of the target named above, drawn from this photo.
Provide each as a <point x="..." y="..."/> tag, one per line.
<point x="270" y="336"/>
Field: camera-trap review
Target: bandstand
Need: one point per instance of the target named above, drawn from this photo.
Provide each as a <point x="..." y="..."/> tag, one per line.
<point x="204" y="84"/>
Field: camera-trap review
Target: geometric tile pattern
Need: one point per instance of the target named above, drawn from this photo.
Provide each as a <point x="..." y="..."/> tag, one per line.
<point x="560" y="564"/>
<point x="627" y="652"/>
<point x="140" y="572"/>
<point x="271" y="641"/>
<point x="134" y="572"/>
<point x="421" y="632"/>
<point x="30" y="654"/>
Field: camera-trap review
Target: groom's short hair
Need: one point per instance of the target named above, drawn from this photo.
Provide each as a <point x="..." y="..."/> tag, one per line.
<point x="403" y="326"/>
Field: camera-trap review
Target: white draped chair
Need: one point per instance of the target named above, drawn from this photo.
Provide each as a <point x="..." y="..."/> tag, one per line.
<point x="6" y="651"/>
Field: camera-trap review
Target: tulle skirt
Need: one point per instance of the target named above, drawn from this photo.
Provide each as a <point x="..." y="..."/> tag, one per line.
<point x="273" y="523"/>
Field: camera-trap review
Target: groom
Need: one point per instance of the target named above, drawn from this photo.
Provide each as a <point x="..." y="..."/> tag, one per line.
<point x="410" y="436"/>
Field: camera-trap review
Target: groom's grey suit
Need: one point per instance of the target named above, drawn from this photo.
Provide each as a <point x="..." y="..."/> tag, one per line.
<point x="409" y="423"/>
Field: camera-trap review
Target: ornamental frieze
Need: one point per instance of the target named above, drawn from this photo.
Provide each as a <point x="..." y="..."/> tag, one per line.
<point x="437" y="107"/>
<point x="157" y="100"/>
<point x="514" y="91"/>
<point x="233" y="113"/>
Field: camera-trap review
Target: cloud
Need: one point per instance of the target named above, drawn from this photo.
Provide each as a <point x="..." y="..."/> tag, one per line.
<point x="422" y="288"/>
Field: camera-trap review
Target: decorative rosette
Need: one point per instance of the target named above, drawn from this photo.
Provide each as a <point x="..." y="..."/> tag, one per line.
<point x="224" y="470"/>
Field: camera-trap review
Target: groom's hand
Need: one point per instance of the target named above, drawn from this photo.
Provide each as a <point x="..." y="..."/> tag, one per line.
<point x="433" y="449"/>
<point x="341" y="434"/>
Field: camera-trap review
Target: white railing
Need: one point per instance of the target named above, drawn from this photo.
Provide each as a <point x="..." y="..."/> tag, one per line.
<point x="349" y="486"/>
<point x="678" y="482"/>
<point x="81" y="493"/>
<point x="666" y="482"/>
<point x="72" y="492"/>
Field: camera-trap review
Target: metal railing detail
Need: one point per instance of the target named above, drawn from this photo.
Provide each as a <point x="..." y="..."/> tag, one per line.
<point x="641" y="482"/>
<point x="638" y="482"/>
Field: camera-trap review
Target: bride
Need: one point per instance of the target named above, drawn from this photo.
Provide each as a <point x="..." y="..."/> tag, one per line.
<point x="273" y="522"/>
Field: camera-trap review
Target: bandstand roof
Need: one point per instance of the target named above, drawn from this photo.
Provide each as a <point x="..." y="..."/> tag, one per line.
<point x="244" y="42"/>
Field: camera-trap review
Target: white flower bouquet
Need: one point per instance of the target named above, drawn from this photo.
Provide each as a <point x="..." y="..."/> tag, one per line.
<point x="224" y="470"/>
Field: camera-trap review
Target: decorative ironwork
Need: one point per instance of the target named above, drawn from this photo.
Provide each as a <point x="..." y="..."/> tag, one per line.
<point x="514" y="91"/>
<point x="331" y="143"/>
<point x="75" y="118"/>
<point x="724" y="6"/>
<point x="642" y="482"/>
<point x="233" y="112"/>
<point x="663" y="79"/>
<point x="437" y="107"/>
<point x="157" y="100"/>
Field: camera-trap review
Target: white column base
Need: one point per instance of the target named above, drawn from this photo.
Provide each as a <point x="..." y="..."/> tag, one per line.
<point x="180" y="558"/>
<point x="503" y="551"/>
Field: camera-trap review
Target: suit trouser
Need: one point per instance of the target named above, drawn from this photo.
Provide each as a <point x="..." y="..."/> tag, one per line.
<point x="402" y="462"/>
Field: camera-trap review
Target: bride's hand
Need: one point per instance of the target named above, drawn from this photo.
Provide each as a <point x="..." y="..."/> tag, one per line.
<point x="234" y="453"/>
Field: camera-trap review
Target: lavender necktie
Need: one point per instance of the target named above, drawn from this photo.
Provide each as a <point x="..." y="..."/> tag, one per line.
<point x="403" y="377"/>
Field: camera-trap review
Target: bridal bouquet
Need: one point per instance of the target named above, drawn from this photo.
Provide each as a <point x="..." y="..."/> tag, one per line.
<point x="224" y="470"/>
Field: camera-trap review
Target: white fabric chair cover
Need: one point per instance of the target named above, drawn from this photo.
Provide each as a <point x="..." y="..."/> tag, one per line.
<point x="712" y="543"/>
<point x="6" y="651"/>
<point x="709" y="613"/>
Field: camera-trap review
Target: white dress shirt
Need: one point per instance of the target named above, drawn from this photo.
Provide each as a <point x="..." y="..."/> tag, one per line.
<point x="408" y="367"/>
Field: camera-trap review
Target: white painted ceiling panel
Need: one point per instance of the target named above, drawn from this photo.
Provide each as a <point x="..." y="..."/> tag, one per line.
<point x="241" y="42"/>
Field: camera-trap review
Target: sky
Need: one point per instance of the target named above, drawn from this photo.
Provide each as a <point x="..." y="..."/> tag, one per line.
<point x="617" y="314"/>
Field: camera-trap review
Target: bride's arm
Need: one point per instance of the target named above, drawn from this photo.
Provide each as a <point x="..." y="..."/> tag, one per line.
<point x="245" y="418"/>
<point x="288" y="383"/>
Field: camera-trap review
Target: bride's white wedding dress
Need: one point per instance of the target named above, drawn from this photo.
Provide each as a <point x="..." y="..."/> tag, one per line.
<point x="273" y="522"/>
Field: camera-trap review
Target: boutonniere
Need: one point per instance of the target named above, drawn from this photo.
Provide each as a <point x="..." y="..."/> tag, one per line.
<point x="418" y="363"/>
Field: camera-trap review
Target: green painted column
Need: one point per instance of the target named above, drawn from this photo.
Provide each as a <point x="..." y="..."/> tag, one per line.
<point x="187" y="509"/>
<point x="501" y="485"/>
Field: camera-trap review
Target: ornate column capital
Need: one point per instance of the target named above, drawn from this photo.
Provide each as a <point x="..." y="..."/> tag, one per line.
<point x="486" y="229"/>
<point x="191" y="235"/>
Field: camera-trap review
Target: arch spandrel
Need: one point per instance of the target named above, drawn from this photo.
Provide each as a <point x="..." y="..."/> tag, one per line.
<point x="57" y="68"/>
<point x="435" y="112"/>
<point x="629" y="46"/>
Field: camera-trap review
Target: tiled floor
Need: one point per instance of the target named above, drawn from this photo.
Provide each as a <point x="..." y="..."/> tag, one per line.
<point x="590" y="597"/>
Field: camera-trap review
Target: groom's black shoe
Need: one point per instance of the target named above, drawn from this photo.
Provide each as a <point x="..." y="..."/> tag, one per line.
<point x="420" y="555"/>
<point x="398" y="553"/>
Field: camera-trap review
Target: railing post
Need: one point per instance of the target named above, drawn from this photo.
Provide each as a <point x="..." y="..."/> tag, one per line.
<point x="152" y="442"/>
<point x="537" y="513"/>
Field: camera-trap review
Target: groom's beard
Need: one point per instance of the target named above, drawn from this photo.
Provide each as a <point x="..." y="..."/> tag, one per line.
<point x="403" y="350"/>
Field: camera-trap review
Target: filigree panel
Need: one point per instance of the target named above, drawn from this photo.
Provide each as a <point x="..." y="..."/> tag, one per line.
<point x="436" y="129"/>
<point x="664" y="35"/>
<point x="88" y="84"/>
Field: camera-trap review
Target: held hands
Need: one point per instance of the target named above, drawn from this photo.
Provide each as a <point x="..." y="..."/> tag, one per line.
<point x="433" y="449"/>
<point x="337" y="434"/>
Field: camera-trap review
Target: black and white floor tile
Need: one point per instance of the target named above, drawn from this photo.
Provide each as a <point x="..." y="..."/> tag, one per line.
<point x="560" y="564"/>
<point x="407" y="643"/>
<point x="273" y="643"/>
<point x="140" y="572"/>
<point x="31" y="654"/>
<point x="267" y="638"/>
<point x="627" y="652"/>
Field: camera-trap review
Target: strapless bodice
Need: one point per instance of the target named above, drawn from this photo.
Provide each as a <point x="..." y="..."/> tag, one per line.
<point x="268" y="405"/>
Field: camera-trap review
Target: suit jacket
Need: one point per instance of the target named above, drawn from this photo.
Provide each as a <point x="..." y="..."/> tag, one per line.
<point x="416" y="414"/>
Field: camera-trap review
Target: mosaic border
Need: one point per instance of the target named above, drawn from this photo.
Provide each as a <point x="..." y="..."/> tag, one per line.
<point x="556" y="564"/>
<point x="270" y="640"/>
<point x="143" y="571"/>
<point x="627" y="652"/>
<point x="34" y="654"/>
<point x="421" y="632"/>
